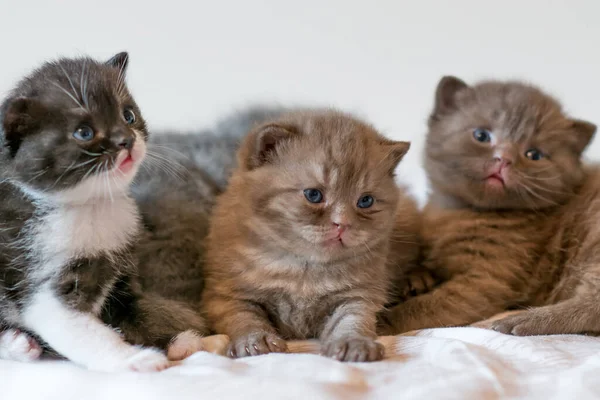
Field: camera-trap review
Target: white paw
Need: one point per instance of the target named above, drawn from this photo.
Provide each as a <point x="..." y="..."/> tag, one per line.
<point x="147" y="360"/>
<point x="184" y="345"/>
<point x="18" y="346"/>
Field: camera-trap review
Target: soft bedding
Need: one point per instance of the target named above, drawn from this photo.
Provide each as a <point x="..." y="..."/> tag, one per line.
<point x="449" y="363"/>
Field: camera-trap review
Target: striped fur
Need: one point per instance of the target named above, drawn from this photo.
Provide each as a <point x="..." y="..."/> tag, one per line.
<point x="529" y="242"/>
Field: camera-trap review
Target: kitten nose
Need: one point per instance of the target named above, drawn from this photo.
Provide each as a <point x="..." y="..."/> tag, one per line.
<point x="503" y="161"/>
<point x="124" y="141"/>
<point x="341" y="227"/>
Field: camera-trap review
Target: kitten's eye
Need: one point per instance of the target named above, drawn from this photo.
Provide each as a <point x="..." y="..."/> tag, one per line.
<point x="313" y="195"/>
<point x="534" y="154"/>
<point x="482" y="135"/>
<point x="84" y="133"/>
<point x="129" y="116"/>
<point x="365" y="201"/>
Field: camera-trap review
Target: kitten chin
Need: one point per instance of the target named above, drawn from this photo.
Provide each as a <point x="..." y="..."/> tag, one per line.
<point x="299" y="243"/>
<point x="511" y="219"/>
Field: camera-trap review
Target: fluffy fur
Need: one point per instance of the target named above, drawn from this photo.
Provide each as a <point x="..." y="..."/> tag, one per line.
<point x="511" y="220"/>
<point x="175" y="192"/>
<point x="72" y="140"/>
<point x="280" y="267"/>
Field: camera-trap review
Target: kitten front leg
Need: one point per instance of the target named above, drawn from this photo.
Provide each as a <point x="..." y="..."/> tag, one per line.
<point x="246" y="324"/>
<point x="349" y="334"/>
<point x="415" y="282"/>
<point x="17" y="345"/>
<point x="574" y="316"/>
<point x="84" y="339"/>
<point x="489" y="323"/>
<point x="463" y="300"/>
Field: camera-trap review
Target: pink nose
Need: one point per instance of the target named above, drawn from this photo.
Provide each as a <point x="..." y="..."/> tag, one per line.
<point x="341" y="228"/>
<point x="502" y="162"/>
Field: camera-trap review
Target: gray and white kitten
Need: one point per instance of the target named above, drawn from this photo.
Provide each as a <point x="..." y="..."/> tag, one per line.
<point x="71" y="141"/>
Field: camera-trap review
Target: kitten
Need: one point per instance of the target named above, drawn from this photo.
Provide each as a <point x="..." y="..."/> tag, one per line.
<point x="71" y="141"/>
<point x="175" y="191"/>
<point x="511" y="216"/>
<point x="299" y="242"/>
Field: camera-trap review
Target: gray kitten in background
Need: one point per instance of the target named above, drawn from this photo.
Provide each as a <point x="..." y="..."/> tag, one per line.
<point x="175" y="191"/>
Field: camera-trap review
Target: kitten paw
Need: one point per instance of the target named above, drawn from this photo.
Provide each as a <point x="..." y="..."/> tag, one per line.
<point x="184" y="345"/>
<point x="256" y="344"/>
<point x="354" y="350"/>
<point x="16" y="345"/>
<point x="489" y="323"/>
<point x="418" y="282"/>
<point x="529" y="323"/>
<point x="147" y="360"/>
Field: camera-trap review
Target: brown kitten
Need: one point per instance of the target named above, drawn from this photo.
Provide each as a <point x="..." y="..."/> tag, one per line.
<point x="511" y="216"/>
<point x="299" y="241"/>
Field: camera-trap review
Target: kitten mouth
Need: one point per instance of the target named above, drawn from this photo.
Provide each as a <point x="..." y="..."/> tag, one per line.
<point x="334" y="242"/>
<point x="125" y="162"/>
<point x="496" y="179"/>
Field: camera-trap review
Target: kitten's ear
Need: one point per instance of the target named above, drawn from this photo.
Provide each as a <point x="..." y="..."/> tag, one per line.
<point x="445" y="95"/>
<point x="395" y="152"/>
<point x="585" y="132"/>
<point x="119" y="61"/>
<point x="262" y="144"/>
<point x="20" y="117"/>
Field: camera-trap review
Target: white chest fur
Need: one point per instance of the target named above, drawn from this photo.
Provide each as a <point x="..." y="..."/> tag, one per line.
<point x="86" y="230"/>
<point x="66" y="231"/>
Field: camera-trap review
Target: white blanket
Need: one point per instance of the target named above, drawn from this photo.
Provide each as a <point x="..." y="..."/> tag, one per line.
<point x="450" y="363"/>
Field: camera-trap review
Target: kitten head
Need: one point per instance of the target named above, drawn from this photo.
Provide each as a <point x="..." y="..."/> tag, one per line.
<point x="321" y="184"/>
<point x="71" y="130"/>
<point x="501" y="145"/>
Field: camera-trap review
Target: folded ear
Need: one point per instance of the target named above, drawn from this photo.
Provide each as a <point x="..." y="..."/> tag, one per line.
<point x="585" y="131"/>
<point x="394" y="153"/>
<point x="445" y="95"/>
<point x="262" y="145"/>
<point x="119" y="61"/>
<point x="20" y="117"/>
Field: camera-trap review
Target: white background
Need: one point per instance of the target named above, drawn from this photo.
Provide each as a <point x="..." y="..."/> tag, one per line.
<point x="193" y="61"/>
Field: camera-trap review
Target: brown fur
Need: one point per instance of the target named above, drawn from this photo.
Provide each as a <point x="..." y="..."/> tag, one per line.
<point x="269" y="275"/>
<point x="532" y="242"/>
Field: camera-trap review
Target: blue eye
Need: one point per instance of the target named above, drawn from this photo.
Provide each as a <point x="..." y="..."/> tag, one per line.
<point x="534" y="154"/>
<point x="313" y="195"/>
<point x="84" y="133"/>
<point x="129" y="116"/>
<point x="365" y="201"/>
<point x="482" y="135"/>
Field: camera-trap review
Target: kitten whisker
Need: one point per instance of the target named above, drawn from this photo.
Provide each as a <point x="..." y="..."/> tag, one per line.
<point x="68" y="94"/>
<point x="106" y="173"/>
<point x="547" y="190"/>
<point x="83" y="163"/>
<point x="90" y="171"/>
<point x="540" y="197"/>
<point x="83" y="85"/>
<point x="63" y="174"/>
<point x="166" y="148"/>
<point x="70" y="83"/>
<point x="164" y="165"/>
<point x="38" y="174"/>
<point x="174" y="163"/>
<point x="89" y="153"/>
